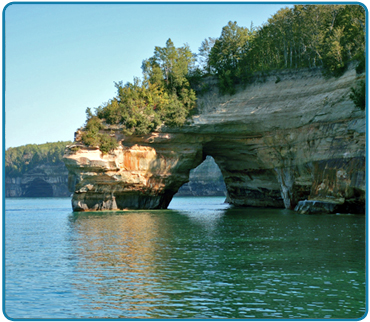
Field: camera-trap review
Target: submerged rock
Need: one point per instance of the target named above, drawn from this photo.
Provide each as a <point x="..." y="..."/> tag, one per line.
<point x="316" y="207"/>
<point x="276" y="144"/>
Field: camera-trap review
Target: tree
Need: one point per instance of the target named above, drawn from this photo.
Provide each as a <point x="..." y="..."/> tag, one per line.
<point x="203" y="55"/>
<point x="227" y="53"/>
<point x="230" y="48"/>
<point x="169" y="66"/>
<point x="163" y="96"/>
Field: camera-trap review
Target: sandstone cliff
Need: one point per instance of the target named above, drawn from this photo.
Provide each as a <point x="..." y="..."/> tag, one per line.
<point x="283" y="139"/>
<point x="45" y="180"/>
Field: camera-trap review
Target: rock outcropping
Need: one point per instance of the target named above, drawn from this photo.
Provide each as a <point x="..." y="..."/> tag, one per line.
<point x="276" y="142"/>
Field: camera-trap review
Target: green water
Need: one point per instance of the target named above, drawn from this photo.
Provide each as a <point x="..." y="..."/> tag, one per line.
<point x="200" y="259"/>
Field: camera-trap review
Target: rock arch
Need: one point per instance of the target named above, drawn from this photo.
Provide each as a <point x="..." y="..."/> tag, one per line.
<point x="39" y="188"/>
<point x="147" y="176"/>
<point x="276" y="144"/>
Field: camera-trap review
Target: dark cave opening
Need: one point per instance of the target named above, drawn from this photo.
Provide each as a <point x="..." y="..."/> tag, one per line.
<point x="39" y="188"/>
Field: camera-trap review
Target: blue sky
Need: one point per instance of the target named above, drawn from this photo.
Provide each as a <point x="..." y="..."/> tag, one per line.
<point x="62" y="58"/>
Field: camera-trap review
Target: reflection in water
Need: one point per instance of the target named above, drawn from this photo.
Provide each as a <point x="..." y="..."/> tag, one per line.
<point x="201" y="259"/>
<point x="117" y="255"/>
<point x="219" y="262"/>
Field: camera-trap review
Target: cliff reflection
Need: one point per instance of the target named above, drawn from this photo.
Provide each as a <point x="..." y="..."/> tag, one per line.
<point x="117" y="258"/>
<point x="220" y="263"/>
<point x="138" y="264"/>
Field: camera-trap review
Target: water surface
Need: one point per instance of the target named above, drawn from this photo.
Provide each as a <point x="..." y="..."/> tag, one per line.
<point x="199" y="259"/>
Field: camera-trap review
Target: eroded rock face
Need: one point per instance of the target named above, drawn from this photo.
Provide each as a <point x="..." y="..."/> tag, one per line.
<point x="43" y="181"/>
<point x="138" y="175"/>
<point x="275" y="143"/>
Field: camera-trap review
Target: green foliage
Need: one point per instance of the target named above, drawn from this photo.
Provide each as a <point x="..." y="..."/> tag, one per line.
<point x="358" y="95"/>
<point x="168" y="68"/>
<point x="75" y="148"/>
<point x="227" y="53"/>
<point x="204" y="53"/>
<point x="195" y="78"/>
<point x="21" y="159"/>
<point x="164" y="96"/>
<point x="305" y="36"/>
<point x="92" y="137"/>
<point x="94" y="124"/>
<point x="361" y="66"/>
<point x="107" y="143"/>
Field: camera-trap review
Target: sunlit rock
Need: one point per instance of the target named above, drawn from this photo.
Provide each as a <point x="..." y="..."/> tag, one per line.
<point x="275" y="143"/>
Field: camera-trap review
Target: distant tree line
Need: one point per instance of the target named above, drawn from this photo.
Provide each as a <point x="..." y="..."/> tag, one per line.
<point x="305" y="36"/>
<point x="24" y="158"/>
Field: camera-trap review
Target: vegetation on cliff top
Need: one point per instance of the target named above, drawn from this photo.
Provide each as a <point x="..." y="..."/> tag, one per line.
<point x="24" y="158"/>
<point x="164" y="96"/>
<point x="305" y="36"/>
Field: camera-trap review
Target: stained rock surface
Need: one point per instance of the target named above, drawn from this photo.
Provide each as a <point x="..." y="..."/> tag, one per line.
<point x="276" y="144"/>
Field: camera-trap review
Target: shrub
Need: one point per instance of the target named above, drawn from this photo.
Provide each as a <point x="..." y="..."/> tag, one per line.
<point x="94" y="125"/>
<point x="90" y="138"/>
<point x="361" y="67"/>
<point x="107" y="143"/>
<point x="75" y="148"/>
<point x="358" y="95"/>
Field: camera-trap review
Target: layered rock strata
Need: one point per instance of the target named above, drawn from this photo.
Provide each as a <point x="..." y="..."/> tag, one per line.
<point x="44" y="180"/>
<point x="276" y="143"/>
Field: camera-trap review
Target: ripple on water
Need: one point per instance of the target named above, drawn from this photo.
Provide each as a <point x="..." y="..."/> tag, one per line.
<point x="189" y="262"/>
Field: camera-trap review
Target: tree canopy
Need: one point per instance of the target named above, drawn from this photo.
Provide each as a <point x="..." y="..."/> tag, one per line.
<point x="162" y="96"/>
<point x="304" y="36"/>
<point x="21" y="159"/>
<point x="227" y="53"/>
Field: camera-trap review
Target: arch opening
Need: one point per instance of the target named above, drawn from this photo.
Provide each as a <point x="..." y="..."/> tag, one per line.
<point x="204" y="180"/>
<point x="39" y="188"/>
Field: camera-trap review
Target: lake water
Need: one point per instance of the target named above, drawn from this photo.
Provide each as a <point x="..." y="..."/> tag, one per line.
<point x="200" y="259"/>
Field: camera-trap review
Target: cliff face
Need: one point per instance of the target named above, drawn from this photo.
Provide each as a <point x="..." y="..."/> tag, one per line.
<point x="43" y="181"/>
<point x="281" y="140"/>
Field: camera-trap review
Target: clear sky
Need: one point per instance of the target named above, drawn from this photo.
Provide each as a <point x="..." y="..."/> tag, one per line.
<point x="62" y="58"/>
